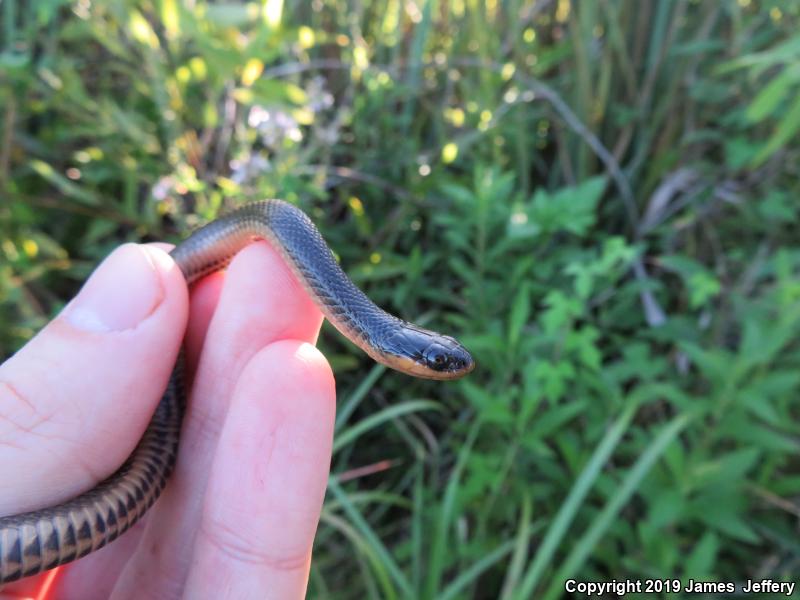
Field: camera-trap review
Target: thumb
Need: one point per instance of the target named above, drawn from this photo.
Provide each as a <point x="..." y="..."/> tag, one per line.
<point x="75" y="400"/>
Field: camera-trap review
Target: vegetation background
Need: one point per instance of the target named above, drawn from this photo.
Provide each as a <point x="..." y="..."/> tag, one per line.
<point x="599" y="198"/>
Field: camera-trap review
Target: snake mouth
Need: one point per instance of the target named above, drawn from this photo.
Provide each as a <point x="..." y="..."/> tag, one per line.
<point x="413" y="367"/>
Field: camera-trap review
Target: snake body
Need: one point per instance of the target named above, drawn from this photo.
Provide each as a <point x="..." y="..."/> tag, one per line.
<point x="35" y="541"/>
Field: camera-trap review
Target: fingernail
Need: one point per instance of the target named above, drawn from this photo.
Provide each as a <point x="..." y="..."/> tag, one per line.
<point x="121" y="293"/>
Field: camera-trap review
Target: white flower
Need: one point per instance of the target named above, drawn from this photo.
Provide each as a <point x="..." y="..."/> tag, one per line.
<point x="274" y="126"/>
<point x="162" y="188"/>
<point x="245" y="170"/>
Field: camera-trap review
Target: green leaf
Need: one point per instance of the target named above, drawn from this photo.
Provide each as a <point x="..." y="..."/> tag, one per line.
<point x="561" y="309"/>
<point x="554" y="377"/>
<point x="728" y="468"/>
<point x="787" y="51"/>
<point x="739" y="151"/>
<point x="730" y="523"/>
<point x="701" y="283"/>
<point x="770" y="97"/>
<point x="571" y="209"/>
<point x="459" y="193"/>
<point x="700" y="562"/>
<point x="555" y="417"/>
<point x="785" y="130"/>
<point x="714" y="364"/>
<point x="667" y="508"/>
<point x="702" y="288"/>
<point x="777" y="206"/>
<point x="520" y="311"/>
<point x="583" y="343"/>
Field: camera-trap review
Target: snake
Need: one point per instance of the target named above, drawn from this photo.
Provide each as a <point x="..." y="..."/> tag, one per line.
<point x="39" y="540"/>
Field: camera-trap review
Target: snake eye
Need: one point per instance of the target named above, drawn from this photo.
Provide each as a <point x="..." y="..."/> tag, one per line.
<point x="443" y="358"/>
<point x="436" y="357"/>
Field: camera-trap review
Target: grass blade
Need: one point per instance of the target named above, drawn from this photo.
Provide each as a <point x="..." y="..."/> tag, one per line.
<point x="348" y="436"/>
<point x="470" y="574"/>
<point x="558" y="528"/>
<point x="348" y="406"/>
<point x="642" y="467"/>
<point x="439" y="546"/>
<point x="371" y="540"/>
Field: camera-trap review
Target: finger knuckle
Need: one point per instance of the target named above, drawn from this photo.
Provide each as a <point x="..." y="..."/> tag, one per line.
<point x="234" y="544"/>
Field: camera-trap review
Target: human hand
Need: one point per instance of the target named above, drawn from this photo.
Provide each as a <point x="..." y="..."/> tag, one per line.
<point x="238" y="516"/>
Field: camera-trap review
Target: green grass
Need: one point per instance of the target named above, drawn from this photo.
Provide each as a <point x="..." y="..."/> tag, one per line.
<point x="597" y="198"/>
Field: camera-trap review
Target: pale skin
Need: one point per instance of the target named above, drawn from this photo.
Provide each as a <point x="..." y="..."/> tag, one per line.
<point x="239" y="515"/>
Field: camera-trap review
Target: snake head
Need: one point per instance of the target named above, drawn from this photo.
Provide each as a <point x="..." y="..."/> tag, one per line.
<point x="423" y="353"/>
<point x="446" y="357"/>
